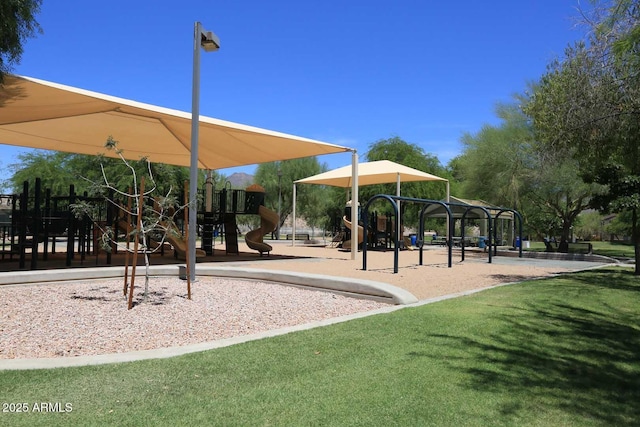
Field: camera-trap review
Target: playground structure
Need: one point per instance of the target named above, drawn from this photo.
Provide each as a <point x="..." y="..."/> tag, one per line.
<point x="34" y="221"/>
<point x="346" y="243"/>
<point x="37" y="220"/>
<point x="268" y="223"/>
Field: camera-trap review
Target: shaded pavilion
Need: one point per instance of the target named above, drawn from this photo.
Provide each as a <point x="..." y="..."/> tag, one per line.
<point x="39" y="114"/>
<point x="369" y="173"/>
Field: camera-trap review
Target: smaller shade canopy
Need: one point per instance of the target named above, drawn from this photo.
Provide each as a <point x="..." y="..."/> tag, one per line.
<point x="369" y="173"/>
<point x="377" y="172"/>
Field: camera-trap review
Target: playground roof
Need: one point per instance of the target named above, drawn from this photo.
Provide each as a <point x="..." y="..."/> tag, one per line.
<point x="459" y="206"/>
<point x="39" y="114"/>
<point x="369" y="173"/>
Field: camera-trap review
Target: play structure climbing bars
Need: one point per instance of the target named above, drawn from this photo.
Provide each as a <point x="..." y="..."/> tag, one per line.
<point x="449" y="210"/>
<point x="35" y="223"/>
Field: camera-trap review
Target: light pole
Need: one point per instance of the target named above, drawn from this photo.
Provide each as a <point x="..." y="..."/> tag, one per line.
<point x="209" y="42"/>
<point x="279" y="202"/>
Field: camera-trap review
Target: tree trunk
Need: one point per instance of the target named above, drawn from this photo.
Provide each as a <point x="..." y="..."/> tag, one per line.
<point x="563" y="246"/>
<point x="635" y="237"/>
<point x="146" y="264"/>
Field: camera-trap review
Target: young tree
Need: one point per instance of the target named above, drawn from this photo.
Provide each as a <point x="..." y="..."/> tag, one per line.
<point x="17" y="23"/>
<point x="154" y="213"/>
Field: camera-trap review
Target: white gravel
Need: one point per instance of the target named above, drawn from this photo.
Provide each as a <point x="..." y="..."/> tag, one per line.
<point x="81" y="319"/>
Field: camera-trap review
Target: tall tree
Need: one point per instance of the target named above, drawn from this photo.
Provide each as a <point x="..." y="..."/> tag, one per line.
<point x="397" y="150"/>
<point x="506" y="166"/>
<point x="58" y="170"/>
<point x="588" y="103"/>
<point x="17" y="23"/>
<point x="277" y="179"/>
<point x="496" y="162"/>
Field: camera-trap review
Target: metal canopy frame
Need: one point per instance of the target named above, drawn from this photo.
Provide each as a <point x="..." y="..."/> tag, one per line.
<point x="443" y="209"/>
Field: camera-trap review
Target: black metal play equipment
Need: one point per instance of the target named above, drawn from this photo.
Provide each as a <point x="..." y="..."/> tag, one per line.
<point x="34" y="221"/>
<point x="451" y="211"/>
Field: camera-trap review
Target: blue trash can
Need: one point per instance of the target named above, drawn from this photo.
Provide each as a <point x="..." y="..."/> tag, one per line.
<point x="517" y="241"/>
<point x="481" y="242"/>
<point x="413" y="239"/>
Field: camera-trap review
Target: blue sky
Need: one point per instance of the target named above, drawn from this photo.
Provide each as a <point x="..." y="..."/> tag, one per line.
<point x="345" y="72"/>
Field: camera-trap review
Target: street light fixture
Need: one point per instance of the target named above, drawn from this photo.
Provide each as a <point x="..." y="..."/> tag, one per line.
<point x="209" y="42"/>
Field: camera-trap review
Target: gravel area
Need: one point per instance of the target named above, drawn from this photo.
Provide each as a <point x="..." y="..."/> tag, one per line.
<point x="81" y="319"/>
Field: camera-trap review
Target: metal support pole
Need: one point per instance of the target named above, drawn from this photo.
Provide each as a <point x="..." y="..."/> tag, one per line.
<point x="280" y="203"/>
<point x="354" y="205"/>
<point x="293" y="224"/>
<point x="193" y="172"/>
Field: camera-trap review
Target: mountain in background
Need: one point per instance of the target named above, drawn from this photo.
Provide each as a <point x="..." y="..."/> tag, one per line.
<point x="240" y="180"/>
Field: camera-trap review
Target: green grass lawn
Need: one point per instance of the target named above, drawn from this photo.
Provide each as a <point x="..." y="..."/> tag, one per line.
<point x="611" y="249"/>
<point x="554" y="352"/>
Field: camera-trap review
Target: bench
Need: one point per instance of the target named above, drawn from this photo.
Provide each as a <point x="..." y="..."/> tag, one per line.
<point x="580" y="247"/>
<point x="442" y="241"/>
<point x="298" y="236"/>
<point x="572" y="248"/>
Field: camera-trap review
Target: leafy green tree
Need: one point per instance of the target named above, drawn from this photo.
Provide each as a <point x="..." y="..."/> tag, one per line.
<point x="497" y="162"/>
<point x="277" y="179"/>
<point x="397" y="150"/>
<point x="17" y="23"/>
<point x="58" y="170"/>
<point x="589" y="104"/>
<point x="50" y="167"/>
<point x="589" y="226"/>
<point x="619" y="227"/>
<point x="316" y="210"/>
<point x="506" y="166"/>
<point x="620" y="19"/>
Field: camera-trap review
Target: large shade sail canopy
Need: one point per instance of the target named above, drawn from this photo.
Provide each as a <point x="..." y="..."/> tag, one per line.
<point x="39" y="114"/>
<point x="369" y="173"/>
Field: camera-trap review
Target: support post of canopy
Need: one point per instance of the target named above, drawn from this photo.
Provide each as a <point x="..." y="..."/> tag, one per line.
<point x="354" y="204"/>
<point x="293" y="224"/>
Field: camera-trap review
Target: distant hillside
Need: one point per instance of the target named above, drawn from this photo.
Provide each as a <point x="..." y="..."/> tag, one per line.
<point x="240" y="180"/>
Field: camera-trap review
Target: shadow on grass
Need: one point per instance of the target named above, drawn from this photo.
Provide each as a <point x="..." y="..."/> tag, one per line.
<point x="576" y="348"/>
<point x="510" y="278"/>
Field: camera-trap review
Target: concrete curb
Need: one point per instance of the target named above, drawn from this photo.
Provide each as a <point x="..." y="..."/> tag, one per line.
<point x="347" y="286"/>
<point x="352" y="287"/>
<point x="163" y="353"/>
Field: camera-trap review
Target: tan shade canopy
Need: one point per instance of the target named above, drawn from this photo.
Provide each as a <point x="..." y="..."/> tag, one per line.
<point x="39" y="114"/>
<point x="369" y="173"/>
<point x="377" y="172"/>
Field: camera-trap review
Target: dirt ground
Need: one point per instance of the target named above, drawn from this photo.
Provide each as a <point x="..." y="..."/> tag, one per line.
<point x="432" y="279"/>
